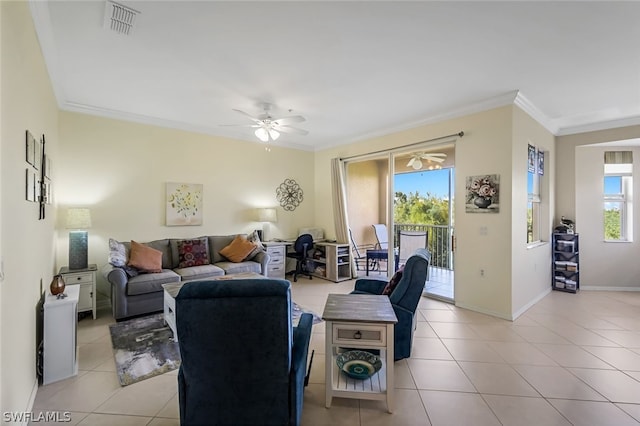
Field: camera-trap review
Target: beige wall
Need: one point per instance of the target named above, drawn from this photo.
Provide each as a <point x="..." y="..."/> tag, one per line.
<point x="530" y="265"/>
<point x="363" y="195"/>
<point x="27" y="243"/>
<point x="119" y="170"/>
<point x="603" y="265"/>
<point x="485" y="149"/>
<point x="565" y="166"/>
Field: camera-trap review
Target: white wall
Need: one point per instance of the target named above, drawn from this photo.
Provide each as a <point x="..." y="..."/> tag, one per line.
<point x="119" y="170"/>
<point x="27" y="243"/>
<point x="603" y="265"/>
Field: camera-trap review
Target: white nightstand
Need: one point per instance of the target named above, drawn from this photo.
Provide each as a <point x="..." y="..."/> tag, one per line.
<point x="60" y="326"/>
<point x="86" y="279"/>
<point x="277" y="252"/>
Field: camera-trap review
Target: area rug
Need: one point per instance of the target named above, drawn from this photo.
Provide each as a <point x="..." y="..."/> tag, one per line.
<point x="144" y="347"/>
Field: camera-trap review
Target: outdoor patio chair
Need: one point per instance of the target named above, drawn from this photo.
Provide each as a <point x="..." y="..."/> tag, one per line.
<point x="359" y="252"/>
<point x="380" y="229"/>
<point x="409" y="242"/>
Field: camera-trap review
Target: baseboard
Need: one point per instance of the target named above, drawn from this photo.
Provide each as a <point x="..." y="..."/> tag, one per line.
<point x="530" y="304"/>
<point x="483" y="311"/>
<point x="603" y="288"/>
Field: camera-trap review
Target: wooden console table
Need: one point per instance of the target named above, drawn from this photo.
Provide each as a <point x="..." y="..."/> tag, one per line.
<point x="359" y="321"/>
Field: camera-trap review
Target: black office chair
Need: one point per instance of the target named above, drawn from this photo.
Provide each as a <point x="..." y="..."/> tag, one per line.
<point x="302" y="247"/>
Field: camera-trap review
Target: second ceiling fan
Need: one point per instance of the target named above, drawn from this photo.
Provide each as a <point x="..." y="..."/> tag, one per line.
<point x="269" y="128"/>
<point x="433" y="157"/>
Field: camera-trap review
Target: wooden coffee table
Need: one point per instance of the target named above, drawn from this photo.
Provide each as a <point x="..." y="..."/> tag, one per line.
<point x="359" y="321"/>
<point x="171" y="291"/>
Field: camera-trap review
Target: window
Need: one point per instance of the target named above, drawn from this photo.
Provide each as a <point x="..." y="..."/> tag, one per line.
<point x="618" y="185"/>
<point x="533" y="207"/>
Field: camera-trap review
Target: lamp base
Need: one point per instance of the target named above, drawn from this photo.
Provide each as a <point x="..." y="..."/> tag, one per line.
<point x="78" y="242"/>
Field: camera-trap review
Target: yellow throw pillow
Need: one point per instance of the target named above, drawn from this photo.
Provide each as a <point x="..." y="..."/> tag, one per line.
<point x="238" y="249"/>
<point x="145" y="258"/>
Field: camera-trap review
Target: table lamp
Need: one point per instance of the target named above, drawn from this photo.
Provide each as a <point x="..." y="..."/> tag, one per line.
<point x="78" y="220"/>
<point x="267" y="215"/>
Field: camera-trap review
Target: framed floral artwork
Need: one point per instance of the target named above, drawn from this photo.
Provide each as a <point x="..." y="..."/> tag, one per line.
<point x="483" y="194"/>
<point x="184" y="204"/>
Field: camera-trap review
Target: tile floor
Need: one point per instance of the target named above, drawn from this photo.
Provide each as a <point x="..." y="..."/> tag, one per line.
<point x="570" y="359"/>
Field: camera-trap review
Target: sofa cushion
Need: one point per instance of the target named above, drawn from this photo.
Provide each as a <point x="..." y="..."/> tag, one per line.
<point x="239" y="267"/>
<point x="238" y="249"/>
<point x="145" y="258"/>
<point x="193" y="252"/>
<point x="151" y="283"/>
<point x="163" y="246"/>
<point x="118" y="255"/>
<point x="199" y="272"/>
<point x="217" y="243"/>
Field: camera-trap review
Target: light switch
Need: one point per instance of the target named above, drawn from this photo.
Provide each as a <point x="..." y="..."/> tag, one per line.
<point x="483" y="230"/>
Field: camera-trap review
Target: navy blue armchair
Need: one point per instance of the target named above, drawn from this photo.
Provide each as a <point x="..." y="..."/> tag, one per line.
<point x="404" y="298"/>
<point x="242" y="360"/>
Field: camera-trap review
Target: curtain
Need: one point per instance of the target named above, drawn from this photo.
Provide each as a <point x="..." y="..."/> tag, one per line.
<point x="618" y="157"/>
<point x="340" y="216"/>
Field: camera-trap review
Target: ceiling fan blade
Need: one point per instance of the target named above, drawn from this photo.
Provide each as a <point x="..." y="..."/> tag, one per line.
<point x="289" y="129"/>
<point x="436" y="159"/>
<point x="239" y="125"/>
<point x="257" y="120"/>
<point x="410" y="163"/>
<point x="288" y="120"/>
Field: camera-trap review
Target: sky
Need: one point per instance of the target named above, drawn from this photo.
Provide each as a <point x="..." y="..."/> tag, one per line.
<point x="435" y="182"/>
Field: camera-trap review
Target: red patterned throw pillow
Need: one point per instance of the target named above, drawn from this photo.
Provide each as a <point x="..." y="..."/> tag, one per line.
<point x="193" y="253"/>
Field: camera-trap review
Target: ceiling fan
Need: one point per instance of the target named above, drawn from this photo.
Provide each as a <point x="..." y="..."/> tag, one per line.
<point x="431" y="157"/>
<point x="269" y="128"/>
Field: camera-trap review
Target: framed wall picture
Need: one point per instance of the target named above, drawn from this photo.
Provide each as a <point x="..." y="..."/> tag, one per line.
<point x="184" y="204"/>
<point x="30" y="185"/>
<point x="37" y="163"/>
<point x="30" y="146"/>
<point x="483" y="194"/>
<point x="531" y="165"/>
<point x="540" y="162"/>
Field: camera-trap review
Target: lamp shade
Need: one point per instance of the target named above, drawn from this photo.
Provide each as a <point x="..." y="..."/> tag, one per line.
<point x="78" y="218"/>
<point x="267" y="215"/>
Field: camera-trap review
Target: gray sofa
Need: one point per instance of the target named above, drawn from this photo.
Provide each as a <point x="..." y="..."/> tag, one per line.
<point x="143" y="293"/>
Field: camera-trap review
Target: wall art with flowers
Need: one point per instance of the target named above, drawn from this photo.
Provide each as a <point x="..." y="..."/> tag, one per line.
<point x="184" y="204"/>
<point x="483" y="194"/>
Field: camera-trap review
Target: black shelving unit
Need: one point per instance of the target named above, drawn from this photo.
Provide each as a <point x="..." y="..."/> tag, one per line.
<point x="565" y="266"/>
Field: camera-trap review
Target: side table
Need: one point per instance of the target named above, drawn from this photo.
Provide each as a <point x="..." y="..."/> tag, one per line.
<point x="359" y="321"/>
<point x="86" y="279"/>
<point x="60" y="325"/>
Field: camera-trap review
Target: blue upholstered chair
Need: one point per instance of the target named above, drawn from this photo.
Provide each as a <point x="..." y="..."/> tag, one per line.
<point x="404" y="298"/>
<point x="243" y="363"/>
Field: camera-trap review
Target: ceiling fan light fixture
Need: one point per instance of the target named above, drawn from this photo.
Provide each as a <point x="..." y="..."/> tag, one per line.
<point x="262" y="134"/>
<point x="417" y="164"/>
<point x="274" y="134"/>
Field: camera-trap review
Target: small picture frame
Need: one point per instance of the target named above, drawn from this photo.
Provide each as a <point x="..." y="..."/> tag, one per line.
<point x="47" y="166"/>
<point x="37" y="163"/>
<point x="531" y="166"/>
<point x="541" y="162"/>
<point x="30" y="145"/>
<point x="30" y="185"/>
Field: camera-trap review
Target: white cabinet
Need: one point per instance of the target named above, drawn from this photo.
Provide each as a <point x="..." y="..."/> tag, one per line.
<point x="277" y="254"/>
<point x="86" y="280"/>
<point x="60" y="320"/>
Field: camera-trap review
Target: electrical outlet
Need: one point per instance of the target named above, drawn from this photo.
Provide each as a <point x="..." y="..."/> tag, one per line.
<point x="482" y="272"/>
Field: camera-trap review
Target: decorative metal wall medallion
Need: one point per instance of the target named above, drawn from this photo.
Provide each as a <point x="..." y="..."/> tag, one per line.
<point x="289" y="194"/>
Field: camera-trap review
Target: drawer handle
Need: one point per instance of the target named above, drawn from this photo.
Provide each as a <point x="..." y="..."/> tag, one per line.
<point x="357" y="335"/>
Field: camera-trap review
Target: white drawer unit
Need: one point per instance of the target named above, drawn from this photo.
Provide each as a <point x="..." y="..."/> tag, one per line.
<point x="86" y="279"/>
<point x="277" y="259"/>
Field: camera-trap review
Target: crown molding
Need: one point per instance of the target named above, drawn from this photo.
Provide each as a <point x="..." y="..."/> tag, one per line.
<point x="527" y="106"/>
<point x="160" y="122"/>
<point x="600" y="125"/>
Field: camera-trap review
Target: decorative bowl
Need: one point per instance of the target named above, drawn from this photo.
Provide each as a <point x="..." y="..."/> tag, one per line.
<point x="359" y="364"/>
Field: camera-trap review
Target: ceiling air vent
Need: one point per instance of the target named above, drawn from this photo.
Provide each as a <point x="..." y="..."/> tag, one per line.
<point x="119" y="18"/>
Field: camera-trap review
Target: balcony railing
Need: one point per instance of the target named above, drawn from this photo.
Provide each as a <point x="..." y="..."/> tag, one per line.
<point x="439" y="241"/>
